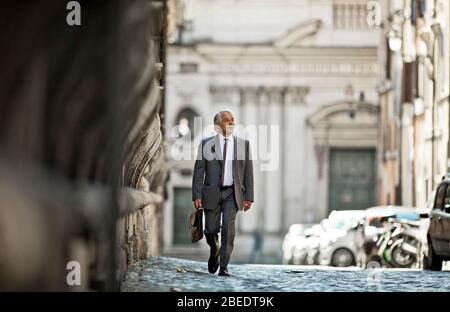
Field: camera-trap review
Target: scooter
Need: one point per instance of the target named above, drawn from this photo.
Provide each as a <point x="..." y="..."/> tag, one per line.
<point x="406" y="247"/>
<point x="399" y="245"/>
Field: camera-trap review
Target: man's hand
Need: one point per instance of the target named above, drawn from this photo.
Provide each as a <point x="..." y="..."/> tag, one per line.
<point x="247" y="205"/>
<point x="198" y="203"/>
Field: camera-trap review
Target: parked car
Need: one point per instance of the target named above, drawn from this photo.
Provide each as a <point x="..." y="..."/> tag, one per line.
<point x="342" y="242"/>
<point x="294" y="236"/>
<point x="304" y="247"/>
<point x="424" y="213"/>
<point x="313" y="248"/>
<point x="438" y="234"/>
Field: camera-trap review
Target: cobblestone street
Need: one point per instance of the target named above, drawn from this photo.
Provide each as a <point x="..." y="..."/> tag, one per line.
<point x="171" y="274"/>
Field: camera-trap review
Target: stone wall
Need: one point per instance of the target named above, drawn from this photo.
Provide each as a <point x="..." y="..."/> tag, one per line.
<point x="80" y="141"/>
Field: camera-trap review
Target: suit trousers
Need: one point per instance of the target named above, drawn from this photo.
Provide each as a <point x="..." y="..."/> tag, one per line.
<point x="226" y="211"/>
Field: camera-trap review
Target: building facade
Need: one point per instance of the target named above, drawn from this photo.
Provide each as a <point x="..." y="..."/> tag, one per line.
<point x="414" y="100"/>
<point x="308" y="70"/>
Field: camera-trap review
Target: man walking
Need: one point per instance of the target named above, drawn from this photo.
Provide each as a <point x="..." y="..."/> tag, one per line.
<point x="222" y="184"/>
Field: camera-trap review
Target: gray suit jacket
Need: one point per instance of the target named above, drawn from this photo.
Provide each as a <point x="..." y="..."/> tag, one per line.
<point x="208" y="170"/>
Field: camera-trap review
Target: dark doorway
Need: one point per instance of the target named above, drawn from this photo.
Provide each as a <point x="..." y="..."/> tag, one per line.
<point x="182" y="208"/>
<point x="351" y="179"/>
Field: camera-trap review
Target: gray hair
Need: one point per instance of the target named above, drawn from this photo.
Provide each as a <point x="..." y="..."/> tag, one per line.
<point x="218" y="116"/>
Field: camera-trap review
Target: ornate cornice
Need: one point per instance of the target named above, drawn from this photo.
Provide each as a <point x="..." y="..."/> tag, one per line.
<point x="362" y="68"/>
<point x="261" y="95"/>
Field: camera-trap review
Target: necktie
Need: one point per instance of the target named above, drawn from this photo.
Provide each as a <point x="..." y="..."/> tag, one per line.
<point x="224" y="160"/>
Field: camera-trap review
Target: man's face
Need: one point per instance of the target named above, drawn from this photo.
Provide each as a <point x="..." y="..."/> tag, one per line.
<point x="227" y="124"/>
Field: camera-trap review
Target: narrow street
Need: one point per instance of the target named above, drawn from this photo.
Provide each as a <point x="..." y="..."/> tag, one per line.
<point x="171" y="274"/>
<point x="310" y="140"/>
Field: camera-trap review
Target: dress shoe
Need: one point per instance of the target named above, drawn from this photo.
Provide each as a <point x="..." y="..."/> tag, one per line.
<point x="213" y="262"/>
<point x="224" y="271"/>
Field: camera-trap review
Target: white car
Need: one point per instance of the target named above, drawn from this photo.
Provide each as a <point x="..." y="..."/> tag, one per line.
<point x="305" y="250"/>
<point x="341" y="245"/>
<point x="294" y="237"/>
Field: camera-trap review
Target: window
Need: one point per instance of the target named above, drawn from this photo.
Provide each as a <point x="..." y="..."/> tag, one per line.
<point x="185" y="122"/>
<point x="188" y="68"/>
<point x="350" y="14"/>
<point x="447" y="199"/>
<point x="439" y="204"/>
<point x="388" y="60"/>
<point x="422" y="8"/>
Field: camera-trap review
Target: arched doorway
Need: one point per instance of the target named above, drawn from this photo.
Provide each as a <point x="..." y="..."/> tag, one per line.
<point x="345" y="140"/>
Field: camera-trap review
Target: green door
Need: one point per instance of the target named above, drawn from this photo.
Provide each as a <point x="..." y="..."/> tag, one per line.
<point x="352" y="179"/>
<point x="183" y="207"/>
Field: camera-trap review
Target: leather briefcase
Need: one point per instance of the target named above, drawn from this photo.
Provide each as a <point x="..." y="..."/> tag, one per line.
<point x="196" y="225"/>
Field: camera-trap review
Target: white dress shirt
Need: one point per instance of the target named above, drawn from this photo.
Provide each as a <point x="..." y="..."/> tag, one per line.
<point x="228" y="172"/>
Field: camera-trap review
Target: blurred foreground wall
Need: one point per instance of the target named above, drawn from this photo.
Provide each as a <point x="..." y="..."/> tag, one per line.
<point x="81" y="162"/>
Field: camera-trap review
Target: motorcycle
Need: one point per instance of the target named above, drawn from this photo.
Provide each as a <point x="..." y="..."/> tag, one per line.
<point x="399" y="245"/>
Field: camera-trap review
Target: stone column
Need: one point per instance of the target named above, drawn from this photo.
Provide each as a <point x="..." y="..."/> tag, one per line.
<point x="274" y="207"/>
<point x="295" y="155"/>
<point x="249" y="120"/>
<point x="263" y="103"/>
